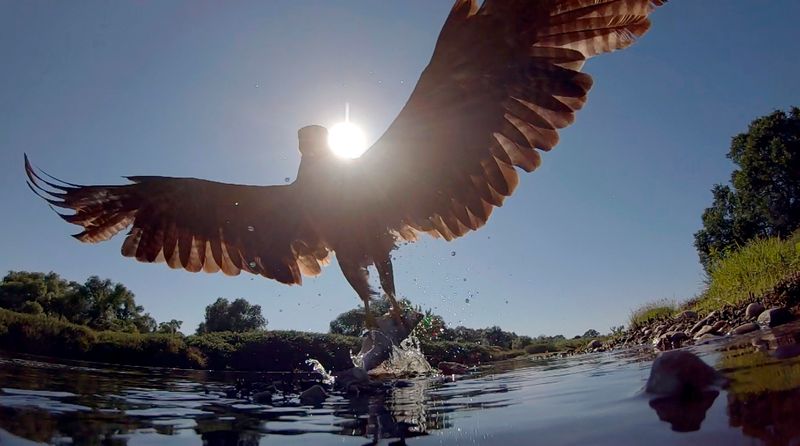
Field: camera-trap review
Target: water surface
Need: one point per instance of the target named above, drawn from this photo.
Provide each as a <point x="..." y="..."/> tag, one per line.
<point x="590" y="399"/>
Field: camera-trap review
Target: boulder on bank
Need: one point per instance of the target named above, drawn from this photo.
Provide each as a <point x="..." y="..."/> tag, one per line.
<point x="753" y="310"/>
<point x="774" y="317"/>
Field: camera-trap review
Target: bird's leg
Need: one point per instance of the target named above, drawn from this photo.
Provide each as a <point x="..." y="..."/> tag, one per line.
<point x="358" y="278"/>
<point x="386" y="274"/>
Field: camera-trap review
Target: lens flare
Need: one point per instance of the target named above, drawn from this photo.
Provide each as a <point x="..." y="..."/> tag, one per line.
<point x="347" y="140"/>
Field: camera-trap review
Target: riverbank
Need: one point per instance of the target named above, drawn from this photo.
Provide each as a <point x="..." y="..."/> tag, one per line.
<point x="257" y="350"/>
<point x="751" y="289"/>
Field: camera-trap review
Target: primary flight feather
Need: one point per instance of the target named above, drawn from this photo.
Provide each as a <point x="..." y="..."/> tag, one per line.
<point x="504" y="77"/>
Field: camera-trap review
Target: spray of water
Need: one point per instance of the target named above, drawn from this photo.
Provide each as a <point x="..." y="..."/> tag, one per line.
<point x="327" y="378"/>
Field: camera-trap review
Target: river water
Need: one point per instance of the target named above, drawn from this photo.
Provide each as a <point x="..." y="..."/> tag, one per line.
<point x="593" y="399"/>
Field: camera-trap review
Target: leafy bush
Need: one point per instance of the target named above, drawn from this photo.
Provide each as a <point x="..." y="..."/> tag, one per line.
<point x="43" y="335"/>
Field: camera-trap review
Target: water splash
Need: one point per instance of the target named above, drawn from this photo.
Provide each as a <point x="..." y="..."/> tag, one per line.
<point x="408" y="358"/>
<point x="404" y="360"/>
<point x="327" y="378"/>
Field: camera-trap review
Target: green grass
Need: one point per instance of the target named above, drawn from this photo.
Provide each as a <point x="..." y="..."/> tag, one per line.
<point x="749" y="272"/>
<point x="652" y="311"/>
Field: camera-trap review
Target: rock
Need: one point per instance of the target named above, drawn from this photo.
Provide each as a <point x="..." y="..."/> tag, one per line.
<point x="687" y="315"/>
<point x="679" y="372"/>
<point x="753" y="310"/>
<point x="264" y="397"/>
<point x="700" y="324"/>
<point x="452" y="368"/>
<point x="678" y="337"/>
<point x="745" y="328"/>
<point x="708" y="337"/>
<point x="705" y="330"/>
<point x="774" y="317"/>
<point x="352" y="379"/>
<point x="595" y="343"/>
<point x="717" y="328"/>
<point x="313" y="395"/>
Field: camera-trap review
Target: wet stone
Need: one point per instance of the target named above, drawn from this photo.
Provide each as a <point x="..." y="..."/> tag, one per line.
<point x="745" y="328"/>
<point x="700" y="324"/>
<point x="708" y="337"/>
<point x="703" y="331"/>
<point x="679" y="372"/>
<point x="718" y="326"/>
<point x="753" y="310"/>
<point x="774" y="317"/>
<point x="313" y="395"/>
<point x="452" y="368"/>
<point x="264" y="397"/>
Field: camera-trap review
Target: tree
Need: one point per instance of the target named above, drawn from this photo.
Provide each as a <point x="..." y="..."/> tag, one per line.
<point x="591" y="333"/>
<point x="497" y="337"/>
<point x="238" y="316"/>
<point x="763" y="199"/>
<point x="170" y="327"/>
<point x="351" y="322"/>
<point x="98" y="303"/>
<point x="20" y="287"/>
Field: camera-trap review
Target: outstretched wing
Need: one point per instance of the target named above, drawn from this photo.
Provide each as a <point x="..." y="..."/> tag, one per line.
<point x="504" y="77"/>
<point x="194" y="224"/>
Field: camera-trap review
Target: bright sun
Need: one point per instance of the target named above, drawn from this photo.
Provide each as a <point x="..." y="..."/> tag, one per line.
<point x="347" y="140"/>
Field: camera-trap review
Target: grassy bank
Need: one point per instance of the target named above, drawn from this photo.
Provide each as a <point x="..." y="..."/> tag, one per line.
<point x="749" y="273"/>
<point x="258" y="350"/>
<point x="757" y="271"/>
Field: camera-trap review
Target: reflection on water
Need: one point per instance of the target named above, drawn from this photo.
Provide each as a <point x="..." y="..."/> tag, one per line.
<point x="591" y="399"/>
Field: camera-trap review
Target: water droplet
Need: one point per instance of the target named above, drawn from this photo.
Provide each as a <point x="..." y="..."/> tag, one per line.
<point x="319" y="294"/>
<point x="402" y="81"/>
<point x="466" y="300"/>
<point x="280" y="310"/>
<point x="287" y="179"/>
<point x="258" y="85"/>
<point x="465" y="279"/>
<point x="236" y="203"/>
<point x="452" y="253"/>
<point x="506" y="302"/>
<point x="251" y="229"/>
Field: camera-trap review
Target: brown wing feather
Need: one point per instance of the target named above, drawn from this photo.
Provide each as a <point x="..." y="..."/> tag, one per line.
<point x="193" y="224"/>
<point x="503" y="79"/>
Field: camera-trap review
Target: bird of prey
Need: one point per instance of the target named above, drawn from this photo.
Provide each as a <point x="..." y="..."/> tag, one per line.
<point x="504" y="77"/>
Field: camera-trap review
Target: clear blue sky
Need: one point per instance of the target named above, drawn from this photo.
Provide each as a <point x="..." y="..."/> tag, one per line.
<point x="95" y="90"/>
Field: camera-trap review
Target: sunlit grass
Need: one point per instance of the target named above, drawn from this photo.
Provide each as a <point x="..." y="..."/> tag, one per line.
<point x="749" y="272"/>
<point x="658" y="310"/>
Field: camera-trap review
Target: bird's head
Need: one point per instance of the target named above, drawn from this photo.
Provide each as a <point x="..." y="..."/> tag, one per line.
<point x="313" y="141"/>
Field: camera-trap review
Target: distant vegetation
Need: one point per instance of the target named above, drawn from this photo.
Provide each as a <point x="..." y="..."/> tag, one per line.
<point x="99" y="320"/>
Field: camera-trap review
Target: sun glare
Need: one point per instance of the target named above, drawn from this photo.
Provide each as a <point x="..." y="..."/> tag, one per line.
<point x="347" y="140"/>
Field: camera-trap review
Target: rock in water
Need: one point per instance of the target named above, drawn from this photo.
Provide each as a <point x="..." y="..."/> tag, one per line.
<point x="313" y="396"/>
<point x="679" y="372"/>
<point x="376" y="345"/>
